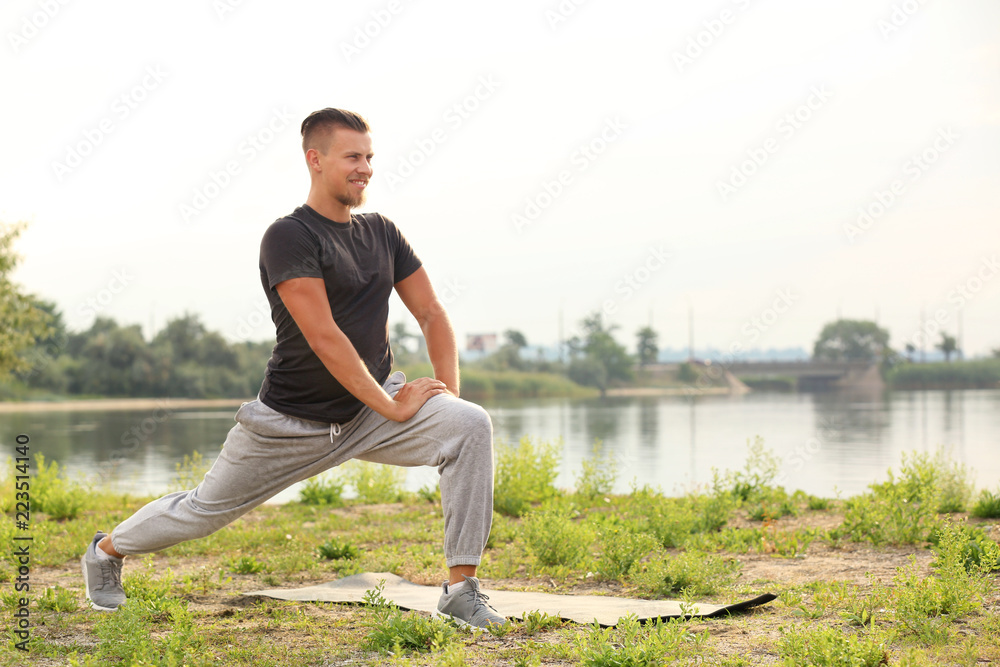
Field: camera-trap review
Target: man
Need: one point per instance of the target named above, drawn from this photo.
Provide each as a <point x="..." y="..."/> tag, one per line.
<point x="327" y="394"/>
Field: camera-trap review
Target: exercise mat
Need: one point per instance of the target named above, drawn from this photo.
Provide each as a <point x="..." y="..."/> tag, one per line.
<point x="604" y="609"/>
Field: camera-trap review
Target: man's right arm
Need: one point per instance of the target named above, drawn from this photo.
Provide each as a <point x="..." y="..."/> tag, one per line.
<point x="306" y="301"/>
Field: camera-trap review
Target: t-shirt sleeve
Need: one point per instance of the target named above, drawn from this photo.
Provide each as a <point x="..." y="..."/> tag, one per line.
<point x="288" y="250"/>
<point x="405" y="260"/>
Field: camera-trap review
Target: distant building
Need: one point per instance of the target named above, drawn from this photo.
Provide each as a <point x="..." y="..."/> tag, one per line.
<point x="484" y="343"/>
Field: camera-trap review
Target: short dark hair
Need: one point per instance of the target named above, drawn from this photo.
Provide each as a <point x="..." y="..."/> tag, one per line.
<point x="320" y="124"/>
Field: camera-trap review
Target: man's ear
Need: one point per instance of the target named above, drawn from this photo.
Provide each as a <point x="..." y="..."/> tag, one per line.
<point x="312" y="159"/>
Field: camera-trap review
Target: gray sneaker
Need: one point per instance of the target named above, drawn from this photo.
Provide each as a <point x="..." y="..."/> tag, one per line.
<point x="468" y="606"/>
<point x="102" y="577"/>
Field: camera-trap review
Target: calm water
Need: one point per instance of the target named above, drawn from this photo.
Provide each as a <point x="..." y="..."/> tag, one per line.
<point x="828" y="443"/>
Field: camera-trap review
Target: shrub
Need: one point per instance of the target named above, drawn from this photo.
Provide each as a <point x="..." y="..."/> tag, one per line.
<point x="375" y="483"/>
<point x="815" y="503"/>
<point x="926" y="605"/>
<point x="52" y="493"/>
<point x="189" y="472"/>
<point x="525" y="475"/>
<point x="987" y="505"/>
<point x="336" y="550"/>
<point x="759" y="471"/>
<point x="598" y="474"/>
<point x="245" y="565"/>
<point x="674" y="520"/>
<point x="325" y="490"/>
<point x="691" y="572"/>
<point x="390" y="630"/>
<point x="553" y="538"/>
<point x="622" y="548"/>
<point x="829" y="647"/>
<point x="630" y="644"/>
<point x="57" y="599"/>
<point x="903" y="510"/>
<point x="536" y="621"/>
<point x="977" y="549"/>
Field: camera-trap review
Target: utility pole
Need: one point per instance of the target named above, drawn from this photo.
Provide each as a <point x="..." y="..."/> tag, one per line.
<point x="961" y="344"/>
<point x="690" y="331"/>
<point x="923" y="338"/>
<point x="561" y="344"/>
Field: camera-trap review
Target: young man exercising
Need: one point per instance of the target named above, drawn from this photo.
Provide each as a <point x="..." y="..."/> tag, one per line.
<point x="328" y="395"/>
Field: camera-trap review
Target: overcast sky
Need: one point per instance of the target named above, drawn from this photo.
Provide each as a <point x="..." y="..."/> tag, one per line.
<point x="770" y="164"/>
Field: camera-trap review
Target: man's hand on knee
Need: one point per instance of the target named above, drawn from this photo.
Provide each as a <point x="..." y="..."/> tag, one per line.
<point x="412" y="395"/>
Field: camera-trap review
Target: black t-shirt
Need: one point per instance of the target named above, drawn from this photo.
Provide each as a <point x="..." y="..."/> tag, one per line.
<point x="359" y="261"/>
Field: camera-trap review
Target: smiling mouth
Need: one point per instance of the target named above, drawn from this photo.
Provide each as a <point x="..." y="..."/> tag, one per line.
<point x="360" y="183"/>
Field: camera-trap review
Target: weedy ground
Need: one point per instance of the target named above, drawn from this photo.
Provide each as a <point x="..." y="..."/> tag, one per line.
<point x="904" y="574"/>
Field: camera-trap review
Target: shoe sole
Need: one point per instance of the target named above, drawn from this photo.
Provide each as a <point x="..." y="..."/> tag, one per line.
<point x="461" y="624"/>
<point x="86" y="584"/>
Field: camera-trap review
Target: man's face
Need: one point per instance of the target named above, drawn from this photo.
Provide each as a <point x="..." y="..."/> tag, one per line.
<point x="347" y="166"/>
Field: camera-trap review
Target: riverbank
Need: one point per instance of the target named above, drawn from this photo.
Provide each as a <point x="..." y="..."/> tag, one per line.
<point x="857" y="580"/>
<point x="90" y="404"/>
<point x="976" y="374"/>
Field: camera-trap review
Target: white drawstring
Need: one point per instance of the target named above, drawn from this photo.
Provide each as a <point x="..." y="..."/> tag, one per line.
<point x="334" y="430"/>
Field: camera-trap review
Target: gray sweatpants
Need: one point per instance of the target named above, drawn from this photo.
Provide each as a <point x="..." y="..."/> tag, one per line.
<point x="268" y="451"/>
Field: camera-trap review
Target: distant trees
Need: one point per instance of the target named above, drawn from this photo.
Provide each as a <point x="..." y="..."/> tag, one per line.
<point x="646" y="347"/>
<point x="948" y="345"/>
<point x="24" y="321"/>
<point x="184" y="359"/>
<point x="852" y="340"/>
<point x="596" y="357"/>
<point x="509" y="354"/>
<point x="403" y="353"/>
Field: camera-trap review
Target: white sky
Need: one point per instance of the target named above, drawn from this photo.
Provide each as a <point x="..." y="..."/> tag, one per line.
<point x="111" y="229"/>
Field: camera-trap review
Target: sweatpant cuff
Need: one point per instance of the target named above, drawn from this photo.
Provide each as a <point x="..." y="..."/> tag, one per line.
<point x="115" y="546"/>
<point x="463" y="560"/>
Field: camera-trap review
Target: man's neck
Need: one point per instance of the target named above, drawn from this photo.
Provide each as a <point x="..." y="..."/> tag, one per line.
<point x="330" y="209"/>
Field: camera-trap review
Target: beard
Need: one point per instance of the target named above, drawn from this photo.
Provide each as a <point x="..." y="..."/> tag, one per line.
<point x="355" y="200"/>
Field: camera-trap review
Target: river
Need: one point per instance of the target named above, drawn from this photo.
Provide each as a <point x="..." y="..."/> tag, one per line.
<point x="829" y="444"/>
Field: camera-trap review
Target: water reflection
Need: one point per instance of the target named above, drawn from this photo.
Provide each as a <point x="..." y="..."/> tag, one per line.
<point x="826" y="442"/>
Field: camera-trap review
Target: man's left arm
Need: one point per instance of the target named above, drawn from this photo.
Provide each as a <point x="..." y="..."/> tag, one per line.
<point x="419" y="298"/>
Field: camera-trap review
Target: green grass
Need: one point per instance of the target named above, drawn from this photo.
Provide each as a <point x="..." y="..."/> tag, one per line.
<point x="935" y="609"/>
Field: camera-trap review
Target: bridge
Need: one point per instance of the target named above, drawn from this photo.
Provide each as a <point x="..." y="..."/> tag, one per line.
<point x="808" y="375"/>
<point x="814" y="374"/>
